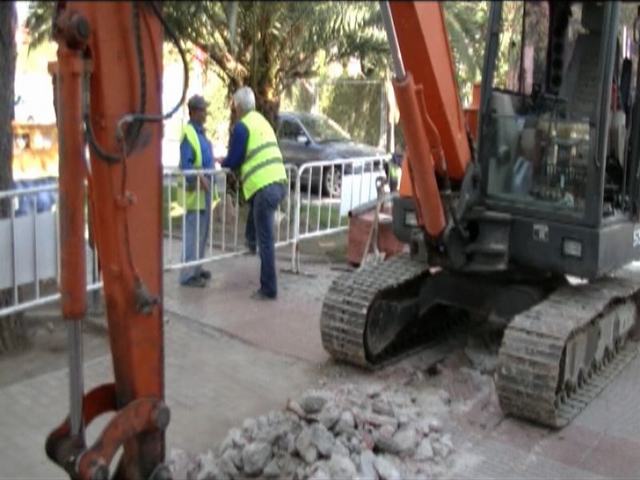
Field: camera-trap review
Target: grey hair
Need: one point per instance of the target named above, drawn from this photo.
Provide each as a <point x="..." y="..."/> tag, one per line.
<point x="244" y="100"/>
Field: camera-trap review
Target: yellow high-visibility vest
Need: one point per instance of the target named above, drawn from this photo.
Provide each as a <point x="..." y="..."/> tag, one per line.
<point x="192" y="199"/>
<point x="263" y="163"/>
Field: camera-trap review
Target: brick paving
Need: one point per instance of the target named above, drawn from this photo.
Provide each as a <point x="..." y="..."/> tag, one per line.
<point x="228" y="357"/>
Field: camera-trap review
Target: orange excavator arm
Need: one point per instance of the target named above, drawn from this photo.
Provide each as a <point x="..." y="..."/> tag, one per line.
<point x="109" y="84"/>
<point x="431" y="115"/>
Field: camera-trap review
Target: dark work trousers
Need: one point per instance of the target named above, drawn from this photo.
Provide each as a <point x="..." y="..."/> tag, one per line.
<point x="259" y="231"/>
<point x="195" y="229"/>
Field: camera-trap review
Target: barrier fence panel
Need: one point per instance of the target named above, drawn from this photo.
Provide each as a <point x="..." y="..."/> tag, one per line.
<point x="285" y="213"/>
<point x="201" y="216"/>
<point x="319" y="198"/>
<point x="221" y="226"/>
<point x="325" y="193"/>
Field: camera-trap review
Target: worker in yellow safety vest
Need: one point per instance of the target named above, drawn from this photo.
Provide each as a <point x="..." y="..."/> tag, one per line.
<point x="254" y="152"/>
<point x="195" y="190"/>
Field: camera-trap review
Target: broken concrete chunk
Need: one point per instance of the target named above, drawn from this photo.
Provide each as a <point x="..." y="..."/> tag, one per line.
<point x="233" y="439"/>
<point x="374" y="390"/>
<point x="435" y="425"/>
<point x="249" y="426"/>
<point x="341" y="467"/>
<point x="322" y="439"/>
<point x="312" y="403"/>
<point x="442" y="449"/>
<point x="386" y="469"/>
<point x="445" y="397"/>
<point x="320" y="474"/>
<point x="346" y="423"/>
<point x="329" y="415"/>
<point x="403" y="419"/>
<point x="255" y="457"/>
<point x="300" y="472"/>
<point x="181" y="464"/>
<point x="303" y="440"/>
<point x="235" y="455"/>
<point x="305" y="448"/>
<point x="382" y="406"/>
<point x="348" y="433"/>
<point x="424" y="451"/>
<point x="295" y="407"/>
<point x="340" y="448"/>
<point x="387" y="444"/>
<point x="376" y="420"/>
<point x="406" y="439"/>
<point x="387" y="431"/>
<point x="272" y="470"/>
<point x="444" y="446"/>
<point x="367" y="468"/>
<point x="275" y="417"/>
<point x="310" y="455"/>
<point x="272" y="433"/>
<point x="208" y="468"/>
<point x="285" y="443"/>
<point x="226" y="464"/>
<point x="355" y="445"/>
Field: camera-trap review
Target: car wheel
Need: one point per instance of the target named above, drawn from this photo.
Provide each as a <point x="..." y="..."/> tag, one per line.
<point x="332" y="181"/>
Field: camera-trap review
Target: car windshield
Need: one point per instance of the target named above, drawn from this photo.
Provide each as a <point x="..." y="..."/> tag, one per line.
<point x="323" y="129"/>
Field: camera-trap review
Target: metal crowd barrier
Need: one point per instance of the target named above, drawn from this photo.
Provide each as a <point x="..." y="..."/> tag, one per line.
<point x="320" y="195"/>
<point x="225" y="224"/>
<point x="331" y="189"/>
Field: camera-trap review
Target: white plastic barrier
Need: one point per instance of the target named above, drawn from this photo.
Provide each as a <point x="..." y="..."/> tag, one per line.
<point x="30" y="249"/>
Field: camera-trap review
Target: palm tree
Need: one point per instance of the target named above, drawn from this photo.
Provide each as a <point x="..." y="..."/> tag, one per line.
<point x="266" y="45"/>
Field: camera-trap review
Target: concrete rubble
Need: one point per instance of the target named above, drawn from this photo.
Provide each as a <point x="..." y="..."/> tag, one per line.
<point x="345" y="432"/>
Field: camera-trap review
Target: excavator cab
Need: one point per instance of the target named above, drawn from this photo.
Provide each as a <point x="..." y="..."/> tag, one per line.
<point x="557" y="149"/>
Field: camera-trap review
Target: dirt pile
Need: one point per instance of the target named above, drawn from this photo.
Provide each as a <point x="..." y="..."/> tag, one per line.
<point x="346" y="432"/>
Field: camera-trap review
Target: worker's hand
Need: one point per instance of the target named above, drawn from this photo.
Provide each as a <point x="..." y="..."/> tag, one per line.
<point x="204" y="183"/>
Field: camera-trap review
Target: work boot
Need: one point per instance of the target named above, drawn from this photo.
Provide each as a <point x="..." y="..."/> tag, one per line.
<point x="195" y="282"/>
<point x="260" y="295"/>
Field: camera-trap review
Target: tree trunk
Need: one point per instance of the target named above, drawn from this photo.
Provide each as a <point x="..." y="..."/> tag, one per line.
<point x="269" y="108"/>
<point x="12" y="330"/>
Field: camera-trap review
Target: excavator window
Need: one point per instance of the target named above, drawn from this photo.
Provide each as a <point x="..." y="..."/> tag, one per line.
<point x="539" y="140"/>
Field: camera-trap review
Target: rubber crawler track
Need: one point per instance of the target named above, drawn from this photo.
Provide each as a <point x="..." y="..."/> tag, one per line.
<point x="530" y="358"/>
<point x="343" y="319"/>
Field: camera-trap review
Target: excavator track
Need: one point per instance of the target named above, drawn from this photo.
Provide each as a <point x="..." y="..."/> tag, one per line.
<point x="345" y="310"/>
<point x="557" y="356"/>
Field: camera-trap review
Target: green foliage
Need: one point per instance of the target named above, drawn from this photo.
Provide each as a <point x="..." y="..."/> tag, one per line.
<point x="299" y="97"/>
<point x="510" y="45"/>
<point x="356" y="107"/>
<point x="274" y="43"/>
<point x="40" y="22"/>
<point x="466" y="24"/>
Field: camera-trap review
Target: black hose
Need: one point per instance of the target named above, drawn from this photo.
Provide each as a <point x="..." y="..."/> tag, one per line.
<point x="142" y="117"/>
